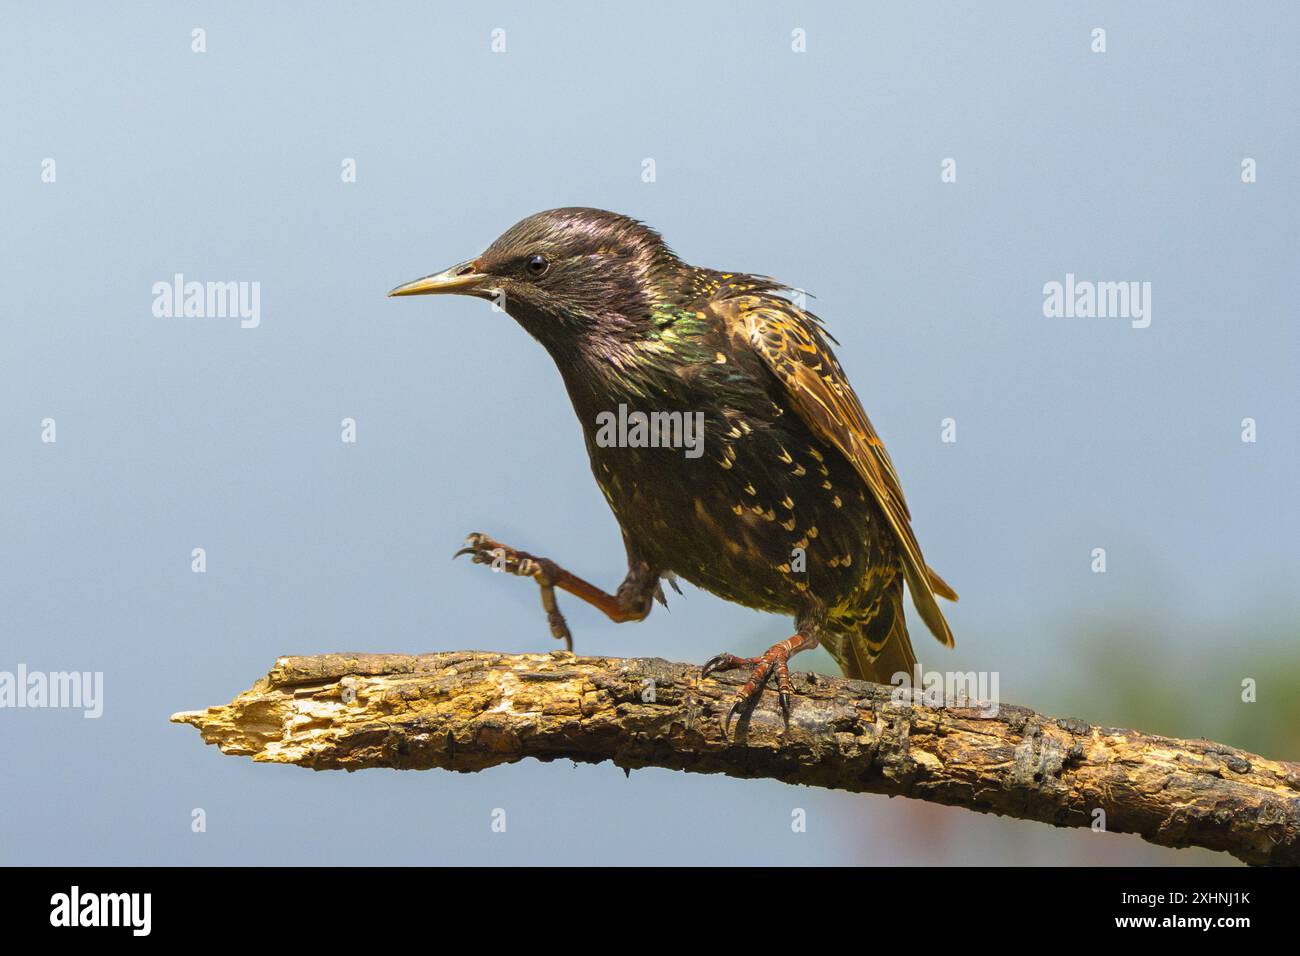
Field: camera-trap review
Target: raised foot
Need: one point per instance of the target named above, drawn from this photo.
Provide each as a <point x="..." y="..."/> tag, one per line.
<point x="484" y="550"/>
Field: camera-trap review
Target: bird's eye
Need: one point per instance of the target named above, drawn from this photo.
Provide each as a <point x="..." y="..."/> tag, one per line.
<point x="537" y="265"/>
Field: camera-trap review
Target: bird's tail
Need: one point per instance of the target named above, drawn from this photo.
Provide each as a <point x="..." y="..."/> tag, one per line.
<point x="939" y="586"/>
<point x="878" y="648"/>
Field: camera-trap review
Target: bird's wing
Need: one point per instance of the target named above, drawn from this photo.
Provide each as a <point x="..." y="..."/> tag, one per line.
<point x="792" y="344"/>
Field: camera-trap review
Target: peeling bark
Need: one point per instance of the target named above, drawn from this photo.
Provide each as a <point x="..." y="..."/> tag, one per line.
<point x="468" y="711"/>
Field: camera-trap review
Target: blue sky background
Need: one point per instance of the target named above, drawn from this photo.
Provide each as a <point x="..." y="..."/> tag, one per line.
<point x="820" y="168"/>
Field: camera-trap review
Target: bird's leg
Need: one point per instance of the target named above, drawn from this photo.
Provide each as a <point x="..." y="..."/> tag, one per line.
<point x="775" y="660"/>
<point x="631" y="602"/>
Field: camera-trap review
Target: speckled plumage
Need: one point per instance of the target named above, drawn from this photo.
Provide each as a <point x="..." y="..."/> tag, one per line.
<point x="790" y="463"/>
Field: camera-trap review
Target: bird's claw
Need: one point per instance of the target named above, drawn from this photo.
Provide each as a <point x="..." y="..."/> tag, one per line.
<point x="731" y="712"/>
<point x="560" y="629"/>
<point x="485" y="550"/>
<point x="725" y="662"/>
<point x="772" y="662"/>
<point x="473" y="547"/>
<point x="783" y="689"/>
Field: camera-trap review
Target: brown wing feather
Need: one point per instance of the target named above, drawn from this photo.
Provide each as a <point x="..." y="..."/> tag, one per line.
<point x="878" y="648"/>
<point x="792" y="344"/>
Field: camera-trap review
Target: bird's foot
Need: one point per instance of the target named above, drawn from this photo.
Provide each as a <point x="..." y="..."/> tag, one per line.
<point x="774" y="661"/>
<point x="484" y="550"/>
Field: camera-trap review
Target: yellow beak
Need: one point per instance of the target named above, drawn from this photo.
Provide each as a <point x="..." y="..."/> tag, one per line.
<point x="463" y="279"/>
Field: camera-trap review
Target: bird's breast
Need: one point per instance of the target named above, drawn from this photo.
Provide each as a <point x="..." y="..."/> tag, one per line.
<point x="746" y="503"/>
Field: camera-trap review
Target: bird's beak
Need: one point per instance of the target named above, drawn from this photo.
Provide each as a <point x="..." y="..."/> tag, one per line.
<point x="462" y="279"/>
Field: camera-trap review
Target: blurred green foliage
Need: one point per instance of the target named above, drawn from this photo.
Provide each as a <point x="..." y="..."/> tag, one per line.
<point x="1188" y="681"/>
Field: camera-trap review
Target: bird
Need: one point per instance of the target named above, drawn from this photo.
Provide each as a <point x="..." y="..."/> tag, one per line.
<point x="790" y="504"/>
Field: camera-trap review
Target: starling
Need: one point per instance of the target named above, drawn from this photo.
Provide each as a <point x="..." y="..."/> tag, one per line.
<point x="789" y="503"/>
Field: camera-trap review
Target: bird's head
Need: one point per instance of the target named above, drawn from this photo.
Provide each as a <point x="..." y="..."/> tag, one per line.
<point x="566" y="274"/>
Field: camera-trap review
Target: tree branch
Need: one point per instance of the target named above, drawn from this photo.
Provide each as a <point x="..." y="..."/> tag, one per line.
<point x="469" y="710"/>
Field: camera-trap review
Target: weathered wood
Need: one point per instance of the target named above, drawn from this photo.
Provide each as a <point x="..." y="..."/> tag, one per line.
<point x="468" y="711"/>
